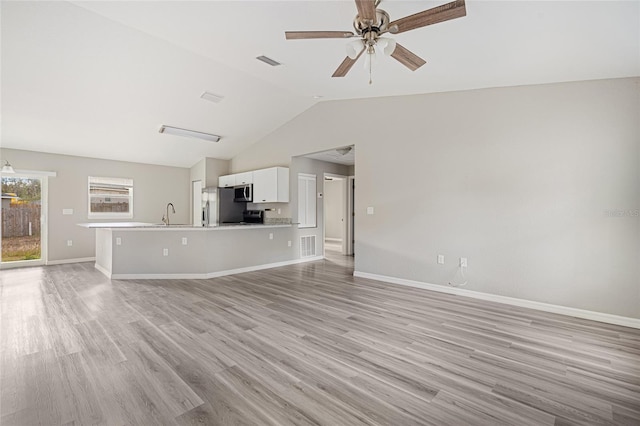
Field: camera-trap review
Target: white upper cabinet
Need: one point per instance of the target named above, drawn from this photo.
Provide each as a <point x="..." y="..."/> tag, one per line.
<point x="235" y="179"/>
<point x="243" y="178"/>
<point x="226" y="181"/>
<point x="271" y="185"/>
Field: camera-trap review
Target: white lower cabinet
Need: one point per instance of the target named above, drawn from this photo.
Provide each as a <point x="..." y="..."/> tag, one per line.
<point x="271" y="185"/>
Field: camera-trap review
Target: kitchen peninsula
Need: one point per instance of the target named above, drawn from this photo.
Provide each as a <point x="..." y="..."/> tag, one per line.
<point x="140" y="250"/>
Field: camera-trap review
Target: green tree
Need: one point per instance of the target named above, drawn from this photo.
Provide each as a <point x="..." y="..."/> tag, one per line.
<point x="25" y="188"/>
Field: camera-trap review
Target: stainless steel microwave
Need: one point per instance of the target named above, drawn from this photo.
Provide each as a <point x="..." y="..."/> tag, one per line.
<point x="243" y="193"/>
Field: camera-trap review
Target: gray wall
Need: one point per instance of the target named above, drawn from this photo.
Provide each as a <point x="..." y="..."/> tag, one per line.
<point x="154" y="187"/>
<point x="207" y="250"/>
<point x="335" y="200"/>
<point x="518" y="180"/>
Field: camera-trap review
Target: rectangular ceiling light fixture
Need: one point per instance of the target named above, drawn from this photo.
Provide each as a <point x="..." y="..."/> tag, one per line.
<point x="212" y="97"/>
<point x="269" y="61"/>
<point x="188" y="133"/>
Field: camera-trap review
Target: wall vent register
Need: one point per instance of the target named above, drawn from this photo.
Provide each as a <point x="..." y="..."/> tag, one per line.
<point x="307" y="246"/>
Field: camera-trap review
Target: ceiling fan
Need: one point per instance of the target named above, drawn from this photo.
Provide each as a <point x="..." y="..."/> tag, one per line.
<point x="371" y="23"/>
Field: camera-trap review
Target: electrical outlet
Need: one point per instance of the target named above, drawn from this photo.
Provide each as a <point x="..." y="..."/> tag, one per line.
<point x="279" y="211"/>
<point x="69" y="243"/>
<point x="271" y="235"/>
<point x="184" y="241"/>
<point x="289" y="243"/>
<point x="463" y="262"/>
<point x="165" y="252"/>
<point x="441" y="259"/>
<point x="118" y="241"/>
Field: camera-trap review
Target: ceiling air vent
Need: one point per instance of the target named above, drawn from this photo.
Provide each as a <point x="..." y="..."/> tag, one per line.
<point x="212" y="97"/>
<point x="268" y="61"/>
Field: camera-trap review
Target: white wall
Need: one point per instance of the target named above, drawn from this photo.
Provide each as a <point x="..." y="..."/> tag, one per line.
<point x="517" y="180"/>
<point x="154" y="187"/>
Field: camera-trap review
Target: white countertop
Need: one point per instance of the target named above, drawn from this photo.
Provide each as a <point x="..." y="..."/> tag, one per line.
<point x="142" y="226"/>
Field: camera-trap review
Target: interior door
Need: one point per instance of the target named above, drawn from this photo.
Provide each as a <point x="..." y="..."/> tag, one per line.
<point x="23" y="220"/>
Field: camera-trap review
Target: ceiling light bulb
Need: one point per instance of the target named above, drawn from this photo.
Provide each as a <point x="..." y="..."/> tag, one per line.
<point x="354" y="48"/>
<point x="7" y="168"/>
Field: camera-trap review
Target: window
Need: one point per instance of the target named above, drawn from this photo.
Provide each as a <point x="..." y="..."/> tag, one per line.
<point x="306" y="200"/>
<point x="110" y="198"/>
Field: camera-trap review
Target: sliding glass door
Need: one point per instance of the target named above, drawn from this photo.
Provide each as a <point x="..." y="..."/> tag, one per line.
<point x="22" y="216"/>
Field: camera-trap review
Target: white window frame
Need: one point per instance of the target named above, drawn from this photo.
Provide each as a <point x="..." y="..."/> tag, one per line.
<point x="115" y="182"/>
<point x="307" y="204"/>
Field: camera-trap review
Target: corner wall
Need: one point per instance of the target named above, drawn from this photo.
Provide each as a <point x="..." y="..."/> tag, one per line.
<point x="154" y="187"/>
<point x="538" y="186"/>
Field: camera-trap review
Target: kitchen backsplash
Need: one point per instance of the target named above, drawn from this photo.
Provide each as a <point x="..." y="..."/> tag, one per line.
<point x="277" y="220"/>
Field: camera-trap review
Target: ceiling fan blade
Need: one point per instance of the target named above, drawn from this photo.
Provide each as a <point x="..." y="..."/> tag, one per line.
<point x="299" y="35"/>
<point x="407" y="58"/>
<point x="455" y="9"/>
<point x="366" y="9"/>
<point x="346" y="65"/>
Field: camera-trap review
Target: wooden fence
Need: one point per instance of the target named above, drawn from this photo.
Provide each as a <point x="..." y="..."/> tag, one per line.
<point x="16" y="219"/>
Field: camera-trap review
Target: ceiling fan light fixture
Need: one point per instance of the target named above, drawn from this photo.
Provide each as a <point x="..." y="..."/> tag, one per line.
<point x="354" y="48"/>
<point x="387" y="45"/>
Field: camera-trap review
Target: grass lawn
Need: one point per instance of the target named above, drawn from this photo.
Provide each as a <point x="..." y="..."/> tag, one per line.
<point x="20" y="248"/>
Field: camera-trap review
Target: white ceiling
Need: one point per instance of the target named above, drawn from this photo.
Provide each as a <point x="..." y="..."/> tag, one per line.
<point x="99" y="78"/>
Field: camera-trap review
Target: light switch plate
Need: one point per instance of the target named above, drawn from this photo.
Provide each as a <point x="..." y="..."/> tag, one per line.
<point x="165" y="252"/>
<point x="271" y="236"/>
<point x="184" y="241"/>
<point x="441" y="259"/>
<point x="69" y="243"/>
<point x="289" y="243"/>
<point x="369" y="210"/>
<point x="67" y="211"/>
<point x="463" y="262"/>
<point x="118" y="241"/>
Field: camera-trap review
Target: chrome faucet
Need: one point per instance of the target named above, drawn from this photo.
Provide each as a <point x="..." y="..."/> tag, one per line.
<point x="165" y="219"/>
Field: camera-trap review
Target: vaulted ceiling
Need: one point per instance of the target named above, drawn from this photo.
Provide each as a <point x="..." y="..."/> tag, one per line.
<point x="99" y="78"/>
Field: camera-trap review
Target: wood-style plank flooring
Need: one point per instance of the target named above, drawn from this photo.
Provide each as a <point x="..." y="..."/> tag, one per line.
<point x="303" y="344"/>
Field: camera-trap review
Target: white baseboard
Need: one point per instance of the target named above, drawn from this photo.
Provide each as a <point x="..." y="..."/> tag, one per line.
<point x="65" y="261"/>
<point x="547" y="307"/>
<point x="103" y="270"/>
<point x="208" y="275"/>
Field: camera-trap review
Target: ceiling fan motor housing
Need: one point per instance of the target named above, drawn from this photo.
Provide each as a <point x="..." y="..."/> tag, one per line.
<point x="363" y="26"/>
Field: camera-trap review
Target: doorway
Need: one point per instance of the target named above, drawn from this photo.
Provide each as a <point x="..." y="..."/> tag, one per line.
<point x="23" y="230"/>
<point x="338" y="214"/>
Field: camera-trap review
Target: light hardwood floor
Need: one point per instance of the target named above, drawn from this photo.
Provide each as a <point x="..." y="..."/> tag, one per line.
<point x="303" y="344"/>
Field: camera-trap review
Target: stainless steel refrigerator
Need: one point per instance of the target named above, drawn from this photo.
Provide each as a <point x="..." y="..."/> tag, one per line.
<point x="210" y="207"/>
